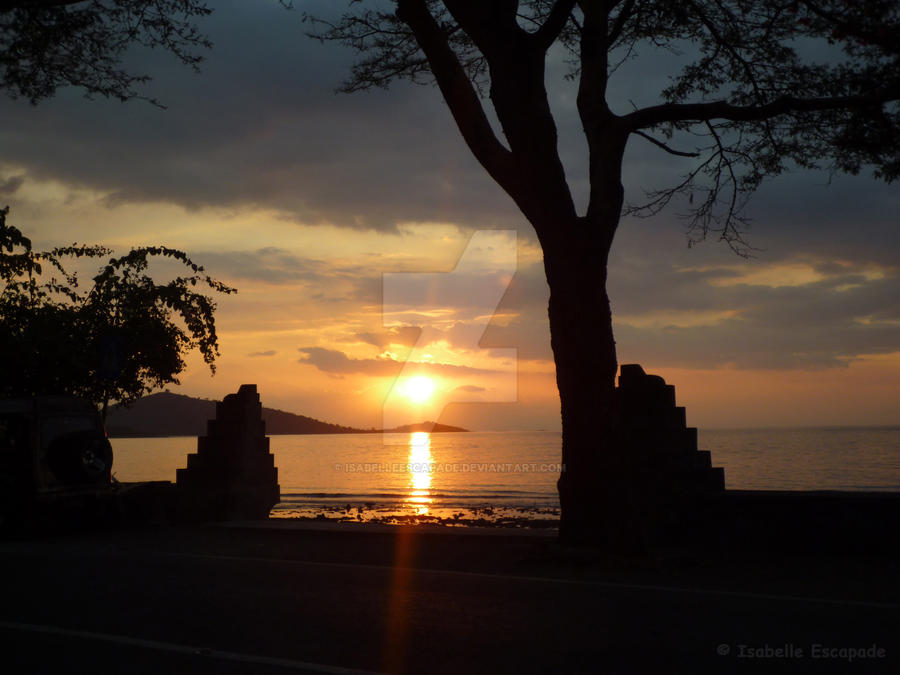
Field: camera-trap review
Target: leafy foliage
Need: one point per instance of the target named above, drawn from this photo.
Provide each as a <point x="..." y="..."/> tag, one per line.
<point x="46" y="44"/>
<point x="54" y="337"/>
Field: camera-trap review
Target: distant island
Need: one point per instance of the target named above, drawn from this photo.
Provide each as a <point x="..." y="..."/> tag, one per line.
<point x="168" y="414"/>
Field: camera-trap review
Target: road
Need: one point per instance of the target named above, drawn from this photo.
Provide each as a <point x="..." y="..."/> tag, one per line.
<point x="243" y="600"/>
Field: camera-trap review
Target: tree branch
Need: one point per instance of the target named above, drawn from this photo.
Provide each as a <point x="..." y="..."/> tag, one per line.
<point x="665" y="147"/>
<point x="684" y="112"/>
<point x="555" y="22"/>
<point x="10" y="5"/>
<point x="458" y="92"/>
<point x="489" y="24"/>
<point x="619" y="23"/>
<point x="606" y="139"/>
<point x="886" y="36"/>
<point x="47" y="44"/>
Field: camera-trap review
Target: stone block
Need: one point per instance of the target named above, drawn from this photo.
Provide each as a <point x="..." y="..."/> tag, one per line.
<point x="233" y="474"/>
<point x="654" y="434"/>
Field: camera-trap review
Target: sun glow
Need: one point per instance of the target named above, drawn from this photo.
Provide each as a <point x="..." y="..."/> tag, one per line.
<point x="419" y="389"/>
<point x="420" y="469"/>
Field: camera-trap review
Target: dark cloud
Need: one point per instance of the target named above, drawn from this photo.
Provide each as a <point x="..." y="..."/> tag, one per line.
<point x="271" y="265"/>
<point x="270" y="352"/>
<point x="528" y="288"/>
<point x="826" y="323"/>
<point x="528" y="333"/>
<point x="336" y="362"/>
<point x="9" y="186"/>
<point x="469" y="293"/>
<point x="262" y="126"/>
<point x="850" y="218"/>
<point x="323" y="281"/>
<point x="470" y="388"/>
<point x="751" y="345"/>
<point x="399" y="335"/>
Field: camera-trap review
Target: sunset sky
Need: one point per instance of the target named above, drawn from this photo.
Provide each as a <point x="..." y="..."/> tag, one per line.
<point x="360" y="232"/>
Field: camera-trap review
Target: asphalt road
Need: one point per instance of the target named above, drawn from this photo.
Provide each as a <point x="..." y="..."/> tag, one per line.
<point x="227" y="600"/>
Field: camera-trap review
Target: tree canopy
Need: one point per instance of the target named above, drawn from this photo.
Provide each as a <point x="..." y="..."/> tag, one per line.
<point x="755" y="86"/>
<point x="47" y="44"/>
<point x="118" y="339"/>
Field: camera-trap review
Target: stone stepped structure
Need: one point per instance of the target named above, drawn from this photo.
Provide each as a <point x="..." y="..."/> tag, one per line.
<point x="654" y="432"/>
<point x="232" y="476"/>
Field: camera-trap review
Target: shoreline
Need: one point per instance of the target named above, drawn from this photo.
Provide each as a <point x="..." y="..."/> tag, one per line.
<point x="498" y="522"/>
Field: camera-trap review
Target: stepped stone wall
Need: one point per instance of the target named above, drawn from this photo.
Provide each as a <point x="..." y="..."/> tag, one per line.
<point x="655" y="434"/>
<point x="232" y="475"/>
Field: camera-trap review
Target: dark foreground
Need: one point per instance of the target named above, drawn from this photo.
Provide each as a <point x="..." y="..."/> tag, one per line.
<point x="343" y="599"/>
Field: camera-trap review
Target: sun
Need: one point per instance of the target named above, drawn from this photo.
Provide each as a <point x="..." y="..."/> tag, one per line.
<point x="419" y="388"/>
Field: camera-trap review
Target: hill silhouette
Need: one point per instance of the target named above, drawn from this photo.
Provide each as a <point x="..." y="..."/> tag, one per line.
<point x="168" y="414"/>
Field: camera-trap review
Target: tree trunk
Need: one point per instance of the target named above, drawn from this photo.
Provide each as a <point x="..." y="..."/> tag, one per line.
<point x="575" y="248"/>
<point x="585" y="355"/>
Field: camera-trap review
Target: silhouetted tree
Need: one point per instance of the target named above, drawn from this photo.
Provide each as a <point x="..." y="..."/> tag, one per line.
<point x="46" y="44"/>
<point x="116" y="341"/>
<point x="767" y="83"/>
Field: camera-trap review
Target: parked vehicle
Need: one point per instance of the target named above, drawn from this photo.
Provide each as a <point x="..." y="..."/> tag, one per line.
<point x="51" y="447"/>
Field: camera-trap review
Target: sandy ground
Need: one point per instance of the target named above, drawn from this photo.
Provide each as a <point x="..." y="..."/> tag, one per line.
<point x="283" y="596"/>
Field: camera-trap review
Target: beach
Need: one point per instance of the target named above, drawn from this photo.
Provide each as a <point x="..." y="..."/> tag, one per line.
<point x="345" y="598"/>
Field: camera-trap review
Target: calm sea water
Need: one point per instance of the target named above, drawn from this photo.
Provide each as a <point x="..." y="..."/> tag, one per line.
<point x="497" y="475"/>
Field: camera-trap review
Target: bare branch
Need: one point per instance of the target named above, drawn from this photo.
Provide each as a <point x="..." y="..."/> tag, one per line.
<point x="665" y="147"/>
<point x="699" y="112"/>
<point x="715" y="205"/>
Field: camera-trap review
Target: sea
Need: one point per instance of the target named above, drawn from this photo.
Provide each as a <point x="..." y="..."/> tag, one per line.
<point x="509" y="478"/>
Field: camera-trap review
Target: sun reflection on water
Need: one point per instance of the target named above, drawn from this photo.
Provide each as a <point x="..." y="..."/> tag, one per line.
<point x="420" y="471"/>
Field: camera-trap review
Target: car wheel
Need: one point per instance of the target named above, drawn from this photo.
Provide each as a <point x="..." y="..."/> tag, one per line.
<point x="81" y="457"/>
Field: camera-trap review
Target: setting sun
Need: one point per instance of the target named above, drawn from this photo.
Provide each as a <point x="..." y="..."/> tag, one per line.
<point x="419" y="389"/>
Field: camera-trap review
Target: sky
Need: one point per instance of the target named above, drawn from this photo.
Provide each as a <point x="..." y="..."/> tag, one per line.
<point x="369" y="248"/>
